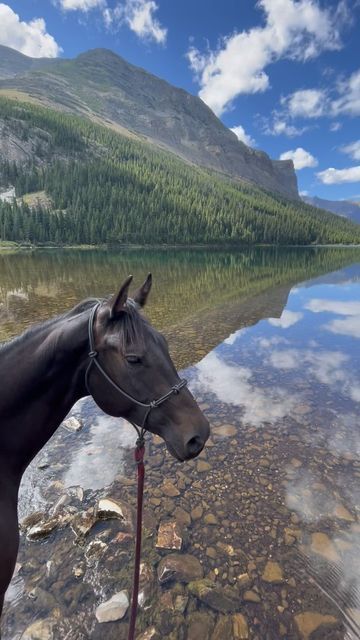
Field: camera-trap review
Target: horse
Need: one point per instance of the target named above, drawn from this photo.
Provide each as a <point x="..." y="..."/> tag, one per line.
<point x="104" y="348"/>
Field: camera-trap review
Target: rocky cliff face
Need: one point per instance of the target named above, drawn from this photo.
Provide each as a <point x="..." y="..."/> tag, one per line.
<point x="101" y="83"/>
<point x="344" y="208"/>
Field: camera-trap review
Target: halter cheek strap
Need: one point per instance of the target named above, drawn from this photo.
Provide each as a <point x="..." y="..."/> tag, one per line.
<point x="148" y="406"/>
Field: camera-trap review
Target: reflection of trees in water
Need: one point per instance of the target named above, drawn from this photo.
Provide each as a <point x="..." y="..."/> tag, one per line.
<point x="37" y="285"/>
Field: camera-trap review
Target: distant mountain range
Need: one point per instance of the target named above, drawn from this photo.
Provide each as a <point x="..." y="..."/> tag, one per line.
<point x="344" y="208"/>
<point x="109" y="90"/>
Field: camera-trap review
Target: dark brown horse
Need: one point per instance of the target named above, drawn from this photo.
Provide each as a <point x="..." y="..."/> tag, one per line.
<point x="46" y="370"/>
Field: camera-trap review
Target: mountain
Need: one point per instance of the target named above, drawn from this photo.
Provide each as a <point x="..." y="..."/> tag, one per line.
<point x="344" y="208"/>
<point x="105" y="87"/>
<point x="79" y="182"/>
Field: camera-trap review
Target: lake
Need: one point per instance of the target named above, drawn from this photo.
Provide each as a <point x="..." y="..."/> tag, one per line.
<point x="269" y="340"/>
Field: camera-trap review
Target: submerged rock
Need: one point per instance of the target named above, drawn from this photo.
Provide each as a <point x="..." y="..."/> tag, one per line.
<point x="223" y="629"/>
<point x="113" y="609"/>
<point x="32" y="519"/>
<point x="179" y="567"/>
<point x="40" y="630"/>
<point x="72" y="424"/>
<point x="111" y="508"/>
<point x="240" y="627"/>
<point x="200" y="625"/>
<point x="42" y="529"/>
<point x="83" y="522"/>
<point x="225" y="430"/>
<point x="169" y="489"/>
<point x="169" y="536"/>
<point x="149" y="634"/>
<point x="147" y="584"/>
<point x="273" y="573"/>
<point x="309" y="621"/>
<point x="323" y="546"/>
<point x="225" y="600"/>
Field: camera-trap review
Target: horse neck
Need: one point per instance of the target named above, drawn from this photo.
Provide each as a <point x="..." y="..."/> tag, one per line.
<point x="42" y="376"/>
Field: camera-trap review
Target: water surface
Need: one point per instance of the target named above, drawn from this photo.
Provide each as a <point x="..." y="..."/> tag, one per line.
<point x="270" y="340"/>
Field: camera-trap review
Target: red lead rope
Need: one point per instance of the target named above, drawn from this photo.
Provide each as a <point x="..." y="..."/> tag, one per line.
<point x="139" y="459"/>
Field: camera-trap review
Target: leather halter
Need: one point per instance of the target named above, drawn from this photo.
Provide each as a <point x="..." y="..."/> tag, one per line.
<point x="148" y="406"/>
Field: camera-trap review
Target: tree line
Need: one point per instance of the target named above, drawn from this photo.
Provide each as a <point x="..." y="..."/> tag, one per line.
<point x="109" y="188"/>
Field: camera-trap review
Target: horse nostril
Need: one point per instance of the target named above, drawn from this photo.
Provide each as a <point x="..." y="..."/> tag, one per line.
<point x="194" y="446"/>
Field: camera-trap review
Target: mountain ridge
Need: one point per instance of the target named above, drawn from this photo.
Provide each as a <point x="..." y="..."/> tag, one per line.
<point x="344" y="208"/>
<point x="99" y="83"/>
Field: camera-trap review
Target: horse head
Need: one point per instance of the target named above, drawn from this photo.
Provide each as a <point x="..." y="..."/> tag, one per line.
<point x="135" y="377"/>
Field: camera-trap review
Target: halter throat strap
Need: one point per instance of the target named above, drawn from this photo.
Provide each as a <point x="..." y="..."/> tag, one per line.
<point x="148" y="406"/>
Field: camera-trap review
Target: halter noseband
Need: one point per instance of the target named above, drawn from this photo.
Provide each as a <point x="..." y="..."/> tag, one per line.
<point x="93" y="354"/>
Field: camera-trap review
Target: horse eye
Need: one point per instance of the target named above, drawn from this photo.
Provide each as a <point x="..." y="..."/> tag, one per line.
<point x="133" y="358"/>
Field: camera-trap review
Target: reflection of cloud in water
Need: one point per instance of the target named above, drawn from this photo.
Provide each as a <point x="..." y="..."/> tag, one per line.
<point x="96" y="463"/>
<point x="287" y="319"/>
<point x="339" y="576"/>
<point x="309" y="502"/>
<point x="234" y="336"/>
<point x="267" y="343"/>
<point x="349" y="326"/>
<point x="232" y="384"/>
<point x="344" y="436"/>
<point x="328" y="367"/>
<point x="342" y="308"/>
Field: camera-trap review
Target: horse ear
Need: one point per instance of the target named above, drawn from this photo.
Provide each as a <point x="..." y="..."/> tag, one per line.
<point x="118" y="301"/>
<point x="141" y="294"/>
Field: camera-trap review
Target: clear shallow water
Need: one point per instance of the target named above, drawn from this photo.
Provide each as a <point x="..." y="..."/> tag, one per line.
<point x="282" y="485"/>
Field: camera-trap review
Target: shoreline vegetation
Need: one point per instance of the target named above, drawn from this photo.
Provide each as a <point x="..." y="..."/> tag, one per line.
<point x="18" y="246"/>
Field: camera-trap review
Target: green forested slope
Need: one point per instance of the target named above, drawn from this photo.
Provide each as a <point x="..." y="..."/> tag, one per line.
<point x="109" y="188"/>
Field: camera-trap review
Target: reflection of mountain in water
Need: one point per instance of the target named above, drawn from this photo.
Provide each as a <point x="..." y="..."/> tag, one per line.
<point x="189" y="285"/>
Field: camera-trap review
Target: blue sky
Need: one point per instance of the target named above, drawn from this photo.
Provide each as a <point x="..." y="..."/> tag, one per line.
<point x="285" y="74"/>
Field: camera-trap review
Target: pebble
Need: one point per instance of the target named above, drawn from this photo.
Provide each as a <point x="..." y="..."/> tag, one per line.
<point x="169" y="489"/>
<point x="42" y="529"/>
<point x="273" y="573"/>
<point x="179" y="567"/>
<point x="202" y="466"/>
<point x="240" y="627"/>
<point x="40" y="630"/>
<point x="323" y="546"/>
<point x="169" y="536"/>
<point x="111" y="508"/>
<point x="72" y="424"/>
<point x="113" y="609"/>
<point x="225" y="430"/>
<point x="196" y="513"/>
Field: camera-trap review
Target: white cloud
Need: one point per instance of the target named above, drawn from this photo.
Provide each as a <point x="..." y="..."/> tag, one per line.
<point x="352" y="149"/>
<point x="300" y="158"/>
<point x="337" y="176"/>
<point x="303" y="193"/>
<point x="281" y="127"/>
<point x="335" y="126"/>
<point x="305" y="103"/>
<point x="345" y="326"/>
<point x="30" y="38"/>
<point x="299" y="30"/>
<point x="243" y="136"/>
<point x="80" y="5"/>
<point x="287" y="319"/>
<point x="349" y="100"/>
<point x="344" y="308"/>
<point x="139" y="17"/>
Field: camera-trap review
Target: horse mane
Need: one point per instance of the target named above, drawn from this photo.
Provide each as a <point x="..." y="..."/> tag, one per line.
<point x="130" y="325"/>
